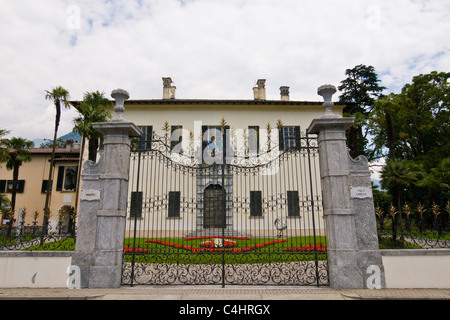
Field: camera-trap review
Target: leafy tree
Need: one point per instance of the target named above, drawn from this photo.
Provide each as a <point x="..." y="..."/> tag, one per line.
<point x="359" y="91"/>
<point x="413" y="126"/>
<point x="424" y="118"/>
<point x="59" y="96"/>
<point x="18" y="152"/>
<point x="91" y="110"/>
<point x="381" y="126"/>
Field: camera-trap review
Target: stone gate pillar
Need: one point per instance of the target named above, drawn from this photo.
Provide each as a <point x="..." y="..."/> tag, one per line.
<point x="354" y="259"/>
<point x="103" y="203"/>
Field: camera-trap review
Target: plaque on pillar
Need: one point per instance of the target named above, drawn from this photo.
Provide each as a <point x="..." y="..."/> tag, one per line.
<point x="361" y="192"/>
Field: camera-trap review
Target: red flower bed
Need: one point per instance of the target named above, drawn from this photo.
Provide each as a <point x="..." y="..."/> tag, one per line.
<point x="311" y="247"/>
<point x="209" y="249"/>
<point x="211" y="237"/>
<point x="127" y="249"/>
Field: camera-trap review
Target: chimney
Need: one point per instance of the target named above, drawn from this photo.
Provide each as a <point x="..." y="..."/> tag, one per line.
<point x="259" y="92"/>
<point x="69" y="145"/>
<point x="76" y="146"/>
<point x="284" y="93"/>
<point x="168" y="89"/>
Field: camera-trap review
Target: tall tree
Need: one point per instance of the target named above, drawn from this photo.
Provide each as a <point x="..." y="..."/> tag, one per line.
<point x="381" y="126"/>
<point x="414" y="125"/>
<point x="93" y="109"/>
<point x="359" y="91"/>
<point x="3" y="199"/>
<point x="18" y="152"/>
<point x="59" y="96"/>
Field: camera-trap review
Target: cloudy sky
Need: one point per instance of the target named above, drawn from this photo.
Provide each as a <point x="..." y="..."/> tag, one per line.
<point x="212" y="49"/>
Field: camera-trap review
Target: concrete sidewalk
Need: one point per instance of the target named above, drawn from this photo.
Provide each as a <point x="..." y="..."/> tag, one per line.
<point x="204" y="293"/>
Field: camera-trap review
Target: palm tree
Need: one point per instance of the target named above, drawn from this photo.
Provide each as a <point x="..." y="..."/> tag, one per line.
<point x="3" y="150"/>
<point x="18" y="152"/>
<point x="58" y="95"/>
<point x="92" y="110"/>
<point x="396" y="176"/>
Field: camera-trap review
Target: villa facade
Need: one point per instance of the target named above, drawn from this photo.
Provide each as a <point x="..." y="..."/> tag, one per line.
<point x="231" y="167"/>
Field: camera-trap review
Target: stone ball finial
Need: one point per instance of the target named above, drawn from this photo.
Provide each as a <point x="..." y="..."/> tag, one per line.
<point x="120" y="95"/>
<point x="327" y="91"/>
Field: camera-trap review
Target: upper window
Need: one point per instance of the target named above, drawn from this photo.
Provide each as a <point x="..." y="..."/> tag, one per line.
<point x="7" y="186"/>
<point x="145" y="141"/>
<point x="289" y="137"/>
<point x="67" y="178"/>
<point x="212" y="144"/>
<point x="253" y="139"/>
<point x="175" y="138"/>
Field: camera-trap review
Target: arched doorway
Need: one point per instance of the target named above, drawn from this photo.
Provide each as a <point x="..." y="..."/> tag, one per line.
<point x="213" y="209"/>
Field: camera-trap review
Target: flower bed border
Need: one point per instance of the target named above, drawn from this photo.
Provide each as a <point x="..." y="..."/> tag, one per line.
<point x="311" y="247"/>
<point x="218" y="237"/>
<point x="199" y="250"/>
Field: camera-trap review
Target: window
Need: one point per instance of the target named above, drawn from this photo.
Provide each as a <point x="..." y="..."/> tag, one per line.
<point x="44" y="186"/>
<point x="6" y="186"/>
<point x="136" y="205"/>
<point x="289" y="137"/>
<point x="145" y="142"/>
<point x="175" y="138"/>
<point x="293" y="204"/>
<point x="253" y="139"/>
<point x="67" y="178"/>
<point x="212" y="144"/>
<point x="255" y="204"/>
<point x="174" y="204"/>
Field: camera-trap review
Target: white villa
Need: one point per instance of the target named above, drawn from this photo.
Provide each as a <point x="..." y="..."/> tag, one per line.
<point x="269" y="185"/>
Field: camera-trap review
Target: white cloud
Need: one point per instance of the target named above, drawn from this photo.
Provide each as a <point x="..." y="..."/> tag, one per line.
<point x="211" y="48"/>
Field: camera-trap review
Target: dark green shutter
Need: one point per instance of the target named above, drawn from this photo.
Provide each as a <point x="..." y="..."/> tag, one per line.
<point x="174" y="204"/>
<point x="60" y="181"/>
<point x="136" y="205"/>
<point x="297" y="137"/>
<point x="2" y="186"/>
<point x="148" y="137"/>
<point x="281" y="139"/>
<point x="44" y="186"/>
<point x="293" y="204"/>
<point x="204" y="143"/>
<point x="255" y="203"/>
<point x="20" y="186"/>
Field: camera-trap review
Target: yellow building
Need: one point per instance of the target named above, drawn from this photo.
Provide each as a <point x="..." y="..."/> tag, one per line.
<point x="33" y="178"/>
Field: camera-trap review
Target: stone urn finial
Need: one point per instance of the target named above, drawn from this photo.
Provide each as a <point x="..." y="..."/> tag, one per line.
<point x="327" y="91"/>
<point x="120" y="96"/>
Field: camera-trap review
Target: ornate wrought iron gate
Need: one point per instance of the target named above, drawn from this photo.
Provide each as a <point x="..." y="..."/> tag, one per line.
<point x="242" y="219"/>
